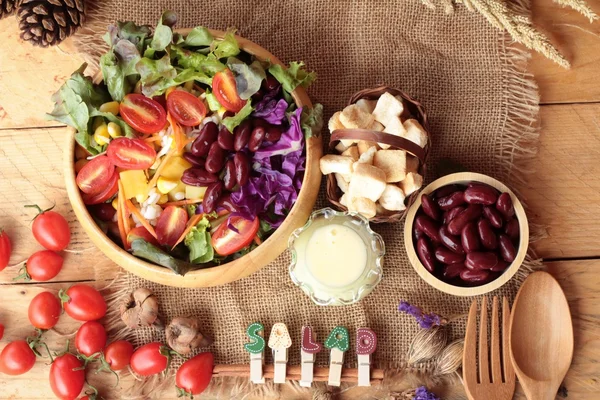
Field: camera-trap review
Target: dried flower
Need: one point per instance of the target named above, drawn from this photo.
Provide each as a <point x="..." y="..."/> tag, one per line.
<point x="450" y="359"/>
<point x="139" y="309"/>
<point x="184" y="335"/>
<point x="427" y="344"/>
<point x="421" y="393"/>
<point x="426" y="321"/>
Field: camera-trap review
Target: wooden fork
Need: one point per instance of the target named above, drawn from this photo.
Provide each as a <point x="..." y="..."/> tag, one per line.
<point x="483" y="384"/>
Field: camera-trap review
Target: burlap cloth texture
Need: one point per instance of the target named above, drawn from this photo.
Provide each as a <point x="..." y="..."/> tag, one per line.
<point x="482" y="108"/>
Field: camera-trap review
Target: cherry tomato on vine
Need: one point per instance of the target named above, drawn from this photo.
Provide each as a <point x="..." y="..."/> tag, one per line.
<point x="51" y="229"/>
<point x="90" y="338"/>
<point x="225" y="90"/>
<point x="226" y="241"/>
<point x="109" y="191"/>
<point x="131" y="153"/>
<point x="5" y="249"/>
<point x="67" y="377"/>
<point x="118" y="354"/>
<point x="42" y="266"/>
<point x="83" y="302"/>
<point x="95" y="175"/>
<point x="142" y="113"/>
<point x="150" y="359"/>
<point x="16" y="358"/>
<point x="195" y="374"/>
<point x="44" y="310"/>
<point x="186" y="108"/>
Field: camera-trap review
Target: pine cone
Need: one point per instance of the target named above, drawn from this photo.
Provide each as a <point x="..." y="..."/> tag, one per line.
<point x="8" y="7"/>
<point x="49" y="22"/>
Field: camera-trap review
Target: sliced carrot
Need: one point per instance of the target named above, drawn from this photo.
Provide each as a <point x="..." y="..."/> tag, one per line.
<point x="186" y="202"/>
<point x="152" y="138"/>
<point x="133" y="209"/>
<point x="180" y="139"/>
<point x="257" y="240"/>
<point x="162" y="165"/>
<point x="120" y="221"/>
<point x="191" y="223"/>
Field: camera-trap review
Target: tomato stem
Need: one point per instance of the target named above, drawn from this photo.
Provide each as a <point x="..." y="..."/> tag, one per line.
<point x="181" y="392"/>
<point x="40" y="211"/>
<point x="105" y="366"/>
<point x="64" y="297"/>
<point x="23" y="274"/>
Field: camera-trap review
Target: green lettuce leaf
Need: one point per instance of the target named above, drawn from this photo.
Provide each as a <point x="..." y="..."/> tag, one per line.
<point x="227" y="47"/>
<point x="163" y="34"/>
<point x="142" y="249"/>
<point x="199" y="36"/>
<point x="127" y="31"/>
<point x="231" y="122"/>
<point x="248" y="78"/>
<point x="293" y="76"/>
<point x="198" y="242"/>
<point x="114" y="76"/>
<point x="311" y="120"/>
<point x="212" y="101"/>
<point x="199" y="62"/>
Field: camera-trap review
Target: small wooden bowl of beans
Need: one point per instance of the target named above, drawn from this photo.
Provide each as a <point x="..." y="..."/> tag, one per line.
<point x="467" y="234"/>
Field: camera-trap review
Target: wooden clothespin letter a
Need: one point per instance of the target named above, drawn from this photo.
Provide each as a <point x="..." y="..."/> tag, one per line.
<point x="338" y="341"/>
<point x="366" y="344"/>
<point x="279" y="342"/>
<point x="308" y="354"/>
<point x="256" y="348"/>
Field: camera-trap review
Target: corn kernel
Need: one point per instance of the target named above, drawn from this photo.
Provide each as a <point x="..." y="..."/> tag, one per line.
<point x="168" y="91"/>
<point x="97" y="122"/>
<point x="80" y="164"/>
<point x="114" y="130"/>
<point x="101" y="135"/>
<point x="189" y="85"/>
<point x="110" y="107"/>
<point x="115" y="203"/>
<point x="138" y="87"/>
<point x="165" y="185"/>
<point x="163" y="199"/>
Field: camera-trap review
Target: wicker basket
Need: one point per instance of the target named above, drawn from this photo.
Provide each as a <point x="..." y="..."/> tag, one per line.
<point x="414" y="110"/>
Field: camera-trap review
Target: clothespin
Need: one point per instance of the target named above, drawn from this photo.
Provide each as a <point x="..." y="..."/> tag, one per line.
<point x="338" y="341"/>
<point x="366" y="344"/>
<point x="308" y="354"/>
<point x="256" y="348"/>
<point x="279" y="342"/>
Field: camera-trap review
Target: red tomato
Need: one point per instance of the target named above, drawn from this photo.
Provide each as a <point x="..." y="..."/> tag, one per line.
<point x="16" y="358"/>
<point x="139" y="232"/>
<point x="195" y="374"/>
<point x="67" y="377"/>
<point x="104" y="212"/>
<point x="142" y="113"/>
<point x="109" y="191"/>
<point x="170" y="225"/>
<point x="5" y="249"/>
<point x="95" y="175"/>
<point x="1" y="331"/>
<point x="118" y="354"/>
<point x="226" y="241"/>
<point x="83" y="303"/>
<point x="43" y="265"/>
<point x="149" y="359"/>
<point x="225" y="91"/>
<point x="186" y="108"/>
<point x="44" y="310"/>
<point x="131" y="153"/>
<point x="90" y="338"/>
<point x="51" y="230"/>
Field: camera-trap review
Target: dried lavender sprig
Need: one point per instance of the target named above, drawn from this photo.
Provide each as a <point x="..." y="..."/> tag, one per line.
<point x="421" y="393"/>
<point x="426" y="321"/>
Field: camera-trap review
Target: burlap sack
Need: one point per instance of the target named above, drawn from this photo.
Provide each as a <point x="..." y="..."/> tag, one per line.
<point x="482" y="107"/>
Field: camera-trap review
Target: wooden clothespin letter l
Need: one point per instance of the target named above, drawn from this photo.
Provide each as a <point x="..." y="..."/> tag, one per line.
<point x="308" y="353"/>
<point x="338" y="341"/>
<point x="279" y="342"/>
<point x="366" y="343"/>
<point x="256" y="348"/>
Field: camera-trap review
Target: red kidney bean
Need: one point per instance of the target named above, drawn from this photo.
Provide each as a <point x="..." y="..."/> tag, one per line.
<point x="469" y="238"/>
<point x="225" y="139"/>
<point x="242" y="168"/>
<point x="273" y="133"/>
<point x="473" y="211"/>
<point x="493" y="216"/>
<point x="228" y="114"/>
<point x="501" y="266"/>
<point x="242" y="135"/>
<point x="450" y="241"/>
<point x="215" y="160"/>
<point x="487" y="234"/>
<point x="481" y="260"/>
<point x="211" y="197"/>
<point x="505" y="206"/>
<point x="474" y="276"/>
<point x="481" y="195"/>
<point x="226" y="203"/>
<point x="208" y="135"/>
<point x="425" y="254"/>
<point x="452" y="200"/>
<point x="512" y="229"/>
<point x="507" y="250"/>
<point x="430" y="207"/>
<point x="192" y="159"/>
<point x="449" y="215"/>
<point x="198" y="177"/>
<point x="445" y="191"/>
<point x="103" y="211"/>
<point x="270" y="83"/>
<point x="417" y="234"/>
<point x="453" y="270"/>
<point x="428" y="227"/>
<point x="229" y="180"/>
<point x="446" y="256"/>
<point x="256" y="138"/>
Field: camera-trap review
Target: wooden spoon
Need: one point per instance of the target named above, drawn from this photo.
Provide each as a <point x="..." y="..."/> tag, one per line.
<point x="541" y="336"/>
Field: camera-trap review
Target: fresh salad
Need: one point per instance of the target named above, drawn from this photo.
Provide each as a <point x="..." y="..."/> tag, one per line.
<point x="191" y="152"/>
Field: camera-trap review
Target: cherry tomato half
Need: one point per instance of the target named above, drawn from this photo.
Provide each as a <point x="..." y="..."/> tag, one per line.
<point x="195" y="374"/>
<point x="109" y="191"/>
<point x="95" y="175"/>
<point x="186" y="108"/>
<point x="67" y="377"/>
<point x="131" y="153"/>
<point x="226" y="241"/>
<point x="5" y="249"/>
<point x="139" y="232"/>
<point x="148" y="359"/>
<point x="142" y="113"/>
<point x="43" y="265"/>
<point x="118" y="354"/>
<point x="83" y="303"/>
<point x="225" y="90"/>
<point x="170" y="225"/>
<point x="44" y="310"/>
<point x="90" y="338"/>
<point x="16" y="358"/>
<point x="51" y="230"/>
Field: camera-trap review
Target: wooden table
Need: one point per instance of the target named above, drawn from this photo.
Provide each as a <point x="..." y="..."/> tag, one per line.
<point x="564" y="193"/>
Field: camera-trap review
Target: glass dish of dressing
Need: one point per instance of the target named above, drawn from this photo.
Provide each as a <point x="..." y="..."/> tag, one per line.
<point x="336" y="258"/>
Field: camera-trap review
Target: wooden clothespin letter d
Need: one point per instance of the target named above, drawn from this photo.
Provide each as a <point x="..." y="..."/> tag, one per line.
<point x="366" y="343"/>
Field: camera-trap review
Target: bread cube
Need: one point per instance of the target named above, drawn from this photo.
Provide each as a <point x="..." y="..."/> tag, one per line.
<point x="411" y="183"/>
<point x="388" y="107"/>
<point x="415" y="132"/>
<point x="344" y="200"/>
<point x="334" y="124"/>
<point x="392" y="163"/>
<point x="367" y="181"/>
<point x="332" y="163"/>
<point x="352" y="152"/>
<point x="354" y="117"/>
<point x="364" y="146"/>
<point x="412" y="164"/>
<point x="364" y="206"/>
<point x="367" y="105"/>
<point x="367" y="156"/>
<point x="342" y="183"/>
<point x="392" y="198"/>
<point x="393" y="127"/>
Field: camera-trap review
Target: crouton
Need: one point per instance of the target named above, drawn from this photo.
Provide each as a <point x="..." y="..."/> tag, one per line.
<point x="412" y="164"/>
<point x="388" y="107"/>
<point x="332" y="163"/>
<point x="392" y="163"/>
<point x="364" y="206"/>
<point x="353" y="117"/>
<point x="367" y="105"/>
<point x="364" y="146"/>
<point x="411" y="183"/>
<point x="367" y="181"/>
<point x="342" y="182"/>
<point x="367" y="156"/>
<point x="415" y="132"/>
<point x="351" y="152"/>
<point x="392" y="198"/>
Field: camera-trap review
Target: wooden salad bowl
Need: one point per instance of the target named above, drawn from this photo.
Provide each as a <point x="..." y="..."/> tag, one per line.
<point x="234" y="270"/>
